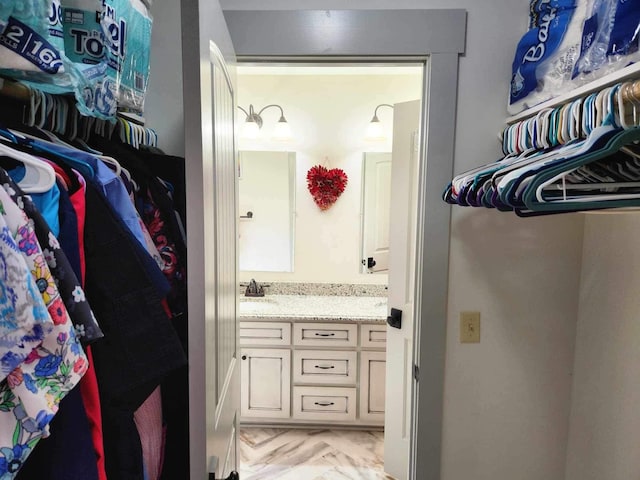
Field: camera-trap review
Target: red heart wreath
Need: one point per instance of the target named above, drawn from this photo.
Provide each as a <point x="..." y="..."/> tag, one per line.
<point x="325" y="185"/>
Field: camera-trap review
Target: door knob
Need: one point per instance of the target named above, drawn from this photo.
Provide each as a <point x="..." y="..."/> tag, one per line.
<point x="395" y="318"/>
<point x="371" y="262"/>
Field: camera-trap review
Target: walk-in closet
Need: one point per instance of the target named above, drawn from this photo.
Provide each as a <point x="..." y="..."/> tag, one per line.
<point x="516" y="335"/>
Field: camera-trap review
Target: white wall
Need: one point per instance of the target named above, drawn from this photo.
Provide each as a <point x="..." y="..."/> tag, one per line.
<point x="507" y="399"/>
<point x="605" y="425"/>
<point x="328" y="115"/>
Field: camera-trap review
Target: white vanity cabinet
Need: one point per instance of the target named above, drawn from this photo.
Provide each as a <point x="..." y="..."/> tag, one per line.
<point x="312" y="372"/>
<point x="265" y="383"/>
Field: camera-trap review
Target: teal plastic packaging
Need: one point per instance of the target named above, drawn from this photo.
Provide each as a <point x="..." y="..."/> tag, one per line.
<point x="128" y="31"/>
<point x="31" y="38"/>
<point x="85" y="46"/>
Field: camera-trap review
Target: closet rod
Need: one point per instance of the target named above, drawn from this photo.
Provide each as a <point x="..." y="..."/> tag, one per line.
<point x="632" y="94"/>
<point x="16" y="90"/>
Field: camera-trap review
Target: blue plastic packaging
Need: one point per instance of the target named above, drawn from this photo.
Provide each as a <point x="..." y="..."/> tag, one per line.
<point x="539" y="45"/>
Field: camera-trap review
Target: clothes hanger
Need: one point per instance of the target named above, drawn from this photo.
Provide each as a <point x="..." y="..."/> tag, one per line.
<point x="39" y="177"/>
<point x="511" y="183"/>
<point x="534" y="196"/>
<point x="49" y="147"/>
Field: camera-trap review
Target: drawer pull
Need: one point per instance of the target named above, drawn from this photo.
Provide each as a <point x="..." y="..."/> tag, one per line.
<point x="325" y="334"/>
<point x="324" y="404"/>
<point x="325" y="367"/>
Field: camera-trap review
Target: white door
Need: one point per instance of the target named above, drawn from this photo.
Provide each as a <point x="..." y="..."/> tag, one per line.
<point x="402" y="254"/>
<point x="210" y="154"/>
<point x="377" y="197"/>
<point x="224" y="396"/>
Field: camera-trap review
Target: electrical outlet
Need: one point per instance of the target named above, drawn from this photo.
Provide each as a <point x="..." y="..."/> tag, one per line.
<point x="469" y="327"/>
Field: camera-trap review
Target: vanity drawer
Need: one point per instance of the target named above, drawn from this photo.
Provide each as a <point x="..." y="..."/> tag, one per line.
<point x="265" y="333"/>
<point x="324" y="367"/>
<point x="324" y="403"/>
<point x="325" y="334"/>
<point x="373" y="336"/>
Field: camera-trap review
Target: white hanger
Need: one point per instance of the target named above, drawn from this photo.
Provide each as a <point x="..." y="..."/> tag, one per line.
<point x="39" y="176"/>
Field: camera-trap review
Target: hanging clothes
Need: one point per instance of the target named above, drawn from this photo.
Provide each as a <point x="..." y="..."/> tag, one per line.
<point x="52" y="369"/>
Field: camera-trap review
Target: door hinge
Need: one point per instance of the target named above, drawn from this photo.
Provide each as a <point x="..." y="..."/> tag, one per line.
<point x="416" y="372"/>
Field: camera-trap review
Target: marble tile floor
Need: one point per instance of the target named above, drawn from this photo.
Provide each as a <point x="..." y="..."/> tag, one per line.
<point x="301" y="454"/>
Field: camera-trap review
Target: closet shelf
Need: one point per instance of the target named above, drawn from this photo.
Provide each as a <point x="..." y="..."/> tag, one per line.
<point x="626" y="73"/>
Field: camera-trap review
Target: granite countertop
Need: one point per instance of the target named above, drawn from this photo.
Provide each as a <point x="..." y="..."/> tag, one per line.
<point x="314" y="307"/>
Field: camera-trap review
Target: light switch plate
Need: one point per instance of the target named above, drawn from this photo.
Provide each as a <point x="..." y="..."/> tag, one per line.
<point x="469" y="327"/>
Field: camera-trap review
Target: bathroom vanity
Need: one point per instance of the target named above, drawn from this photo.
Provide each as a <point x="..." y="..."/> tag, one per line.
<point x="308" y="359"/>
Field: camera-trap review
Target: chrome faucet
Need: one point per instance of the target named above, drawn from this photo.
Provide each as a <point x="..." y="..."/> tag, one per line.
<point x="254" y="290"/>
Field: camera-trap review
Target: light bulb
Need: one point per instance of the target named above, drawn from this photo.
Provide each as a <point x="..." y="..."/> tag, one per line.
<point x="250" y="130"/>
<point x="282" y="131"/>
<point x="375" y="132"/>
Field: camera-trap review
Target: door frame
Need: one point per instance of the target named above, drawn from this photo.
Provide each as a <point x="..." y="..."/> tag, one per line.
<point x="438" y="36"/>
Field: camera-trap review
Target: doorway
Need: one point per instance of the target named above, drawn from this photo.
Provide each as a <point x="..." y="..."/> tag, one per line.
<point x="329" y="108"/>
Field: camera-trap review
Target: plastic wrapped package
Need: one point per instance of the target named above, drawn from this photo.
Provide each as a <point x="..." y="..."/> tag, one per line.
<point x="96" y="49"/>
<point x="33" y="49"/>
<point x="31" y="39"/>
<point x="595" y="37"/>
<point x="84" y="35"/>
<point x="6" y="9"/>
<point x="610" y="39"/>
<point x="135" y="67"/>
<point x="546" y="55"/>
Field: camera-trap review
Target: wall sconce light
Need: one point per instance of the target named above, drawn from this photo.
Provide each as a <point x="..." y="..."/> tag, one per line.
<point x="253" y="124"/>
<point x="374" y="129"/>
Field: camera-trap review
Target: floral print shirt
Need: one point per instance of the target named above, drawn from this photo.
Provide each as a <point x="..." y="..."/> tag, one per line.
<point x="30" y="395"/>
<point x="86" y="325"/>
<point x="24" y="320"/>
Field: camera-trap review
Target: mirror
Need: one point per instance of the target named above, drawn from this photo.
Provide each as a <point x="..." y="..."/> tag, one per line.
<point x="376" y="201"/>
<point x="267" y="211"/>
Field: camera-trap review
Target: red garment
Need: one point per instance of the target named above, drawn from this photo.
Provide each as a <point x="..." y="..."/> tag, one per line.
<point x="77" y="200"/>
<point x="89" y="383"/>
<point x="91" y="399"/>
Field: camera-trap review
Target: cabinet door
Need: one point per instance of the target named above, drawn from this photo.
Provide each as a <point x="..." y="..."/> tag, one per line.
<point x="372" y="386"/>
<point x="266" y="381"/>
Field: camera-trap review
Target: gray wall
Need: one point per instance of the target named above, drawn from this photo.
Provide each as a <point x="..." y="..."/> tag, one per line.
<point x="605" y="426"/>
<point x="164" y="101"/>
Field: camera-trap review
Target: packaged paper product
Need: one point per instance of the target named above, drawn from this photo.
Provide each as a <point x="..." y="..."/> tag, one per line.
<point x="547" y="53"/>
<point x="31" y="38"/>
<point x="84" y="35"/>
<point x="610" y="39"/>
<point x="134" y="74"/>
